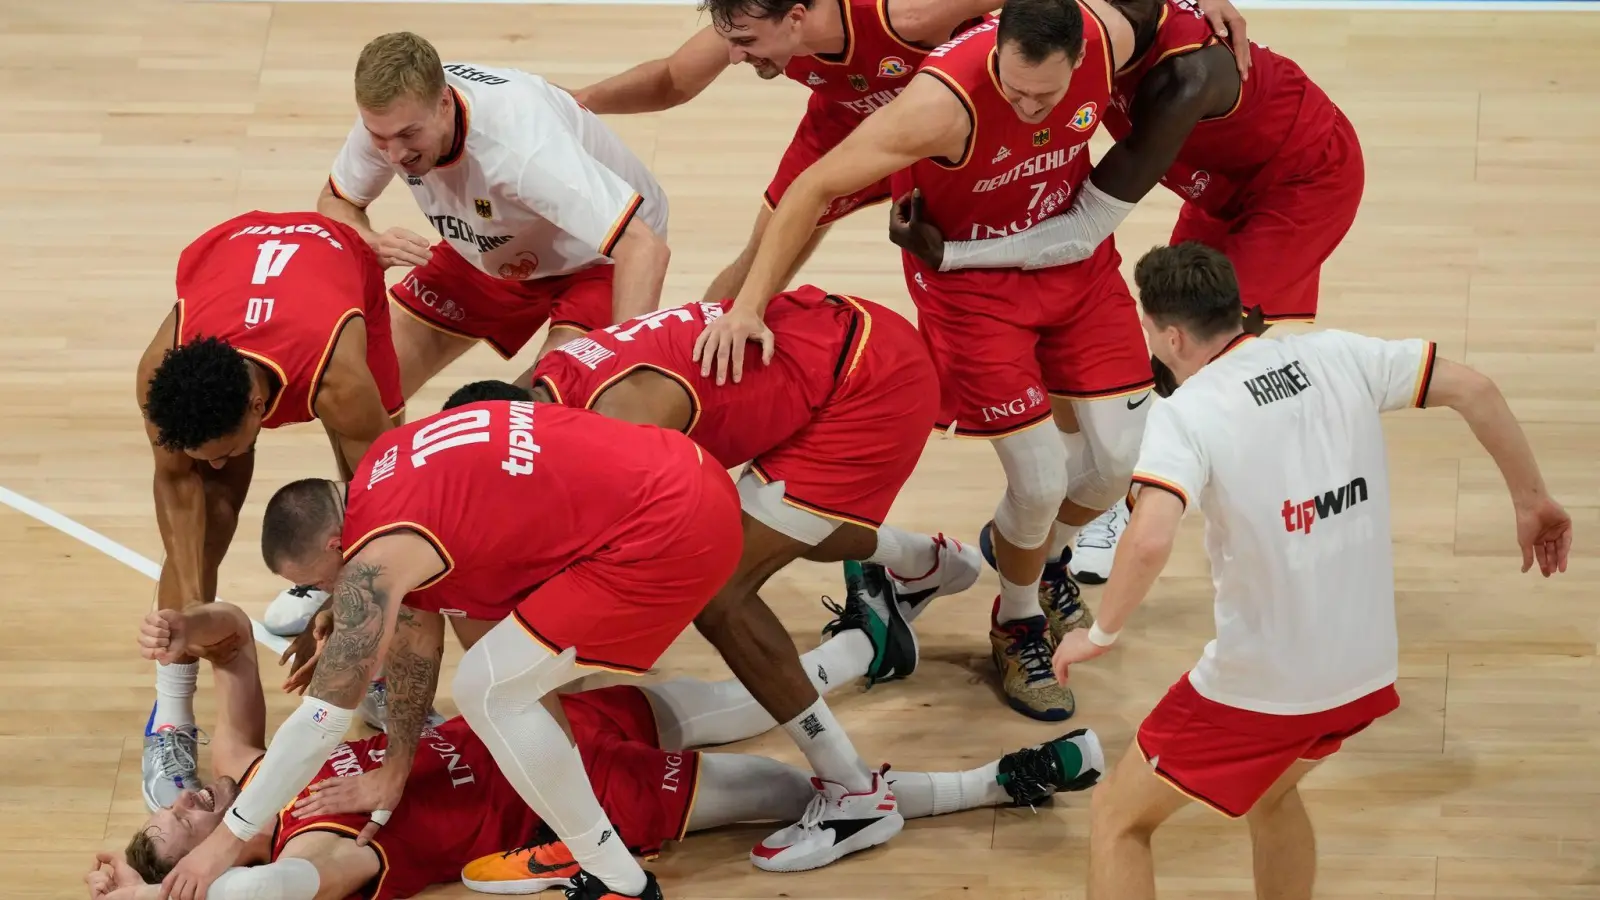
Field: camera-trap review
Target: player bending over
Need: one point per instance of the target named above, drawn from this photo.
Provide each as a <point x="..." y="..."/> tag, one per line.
<point x="1048" y="365"/>
<point x="1281" y="444"/>
<point x="579" y="543"/>
<point x="1269" y="171"/>
<point x="280" y="319"/>
<point x="827" y="435"/>
<point x="462" y="818"/>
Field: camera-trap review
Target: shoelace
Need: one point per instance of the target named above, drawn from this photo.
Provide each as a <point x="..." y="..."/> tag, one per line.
<point x="815" y="810"/>
<point x="1035" y="654"/>
<point x="1102" y="532"/>
<point x="1063" y="593"/>
<point x="180" y="752"/>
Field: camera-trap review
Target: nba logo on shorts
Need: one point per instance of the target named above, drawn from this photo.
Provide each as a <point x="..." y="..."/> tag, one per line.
<point x="1041" y="137"/>
<point x="891" y="67"/>
<point x="859" y="82"/>
<point x="1084" y="119"/>
<point x="484" y="210"/>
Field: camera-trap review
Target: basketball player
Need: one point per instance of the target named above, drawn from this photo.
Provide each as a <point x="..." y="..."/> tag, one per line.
<point x="1270" y="173"/>
<point x="993" y="131"/>
<point x="1306" y="653"/>
<point x="543" y="214"/>
<point x="830" y="432"/>
<point x="853" y="55"/>
<point x="460" y="807"/>
<point x="280" y="319"/>
<point x="585" y="544"/>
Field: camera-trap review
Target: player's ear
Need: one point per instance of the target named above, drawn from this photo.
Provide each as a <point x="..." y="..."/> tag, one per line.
<point x="1083" y="51"/>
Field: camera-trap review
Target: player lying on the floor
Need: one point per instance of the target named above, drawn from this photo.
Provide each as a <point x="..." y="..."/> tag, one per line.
<point x="458" y="809"/>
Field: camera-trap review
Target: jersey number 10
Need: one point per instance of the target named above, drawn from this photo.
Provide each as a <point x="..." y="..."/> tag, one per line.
<point x="270" y="261"/>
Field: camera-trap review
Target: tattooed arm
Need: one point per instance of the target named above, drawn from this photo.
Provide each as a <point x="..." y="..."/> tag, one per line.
<point x="366" y="607"/>
<point x="411" y="669"/>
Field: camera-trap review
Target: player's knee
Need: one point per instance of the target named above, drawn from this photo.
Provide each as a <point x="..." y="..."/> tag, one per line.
<point x="504" y="672"/>
<point x="1035" y="464"/>
<point x="1113" y="433"/>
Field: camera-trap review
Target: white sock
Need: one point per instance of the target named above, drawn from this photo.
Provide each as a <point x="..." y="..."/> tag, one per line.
<point x="907" y="556"/>
<point x="822" y="739"/>
<point x="174" y="695"/>
<point x="936" y="793"/>
<point x="1018" y="601"/>
<point x="693" y="713"/>
<point x="1062" y="539"/>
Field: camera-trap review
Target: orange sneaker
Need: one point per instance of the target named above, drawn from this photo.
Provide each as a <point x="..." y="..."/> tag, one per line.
<point x="529" y="869"/>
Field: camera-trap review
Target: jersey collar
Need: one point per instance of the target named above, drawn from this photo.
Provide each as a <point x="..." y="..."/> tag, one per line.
<point x="458" y="145"/>
<point x="1238" y="340"/>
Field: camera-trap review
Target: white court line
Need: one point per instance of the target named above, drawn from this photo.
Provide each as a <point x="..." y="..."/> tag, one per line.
<point x="116" y="551"/>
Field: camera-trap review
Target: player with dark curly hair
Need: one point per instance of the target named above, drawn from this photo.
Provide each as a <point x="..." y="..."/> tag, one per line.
<point x="280" y="318"/>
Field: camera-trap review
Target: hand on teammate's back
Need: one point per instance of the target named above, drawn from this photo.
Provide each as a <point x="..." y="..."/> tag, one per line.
<point x="354" y="795"/>
<point x="911" y="233"/>
<point x="1544" y="532"/>
<point x="399" y="247"/>
<point x="723" y="342"/>
<point x="1226" y="21"/>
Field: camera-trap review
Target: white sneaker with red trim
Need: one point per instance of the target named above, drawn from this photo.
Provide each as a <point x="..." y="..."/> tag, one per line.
<point x="956" y="567"/>
<point x="836" y="823"/>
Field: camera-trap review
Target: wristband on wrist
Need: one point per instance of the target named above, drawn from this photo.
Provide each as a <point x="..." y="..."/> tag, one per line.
<point x="1100" y="638"/>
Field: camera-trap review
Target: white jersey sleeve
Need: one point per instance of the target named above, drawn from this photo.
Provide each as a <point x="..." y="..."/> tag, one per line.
<point x="577" y="193"/>
<point x="360" y="173"/>
<point x="1171" y="456"/>
<point x="1396" y="373"/>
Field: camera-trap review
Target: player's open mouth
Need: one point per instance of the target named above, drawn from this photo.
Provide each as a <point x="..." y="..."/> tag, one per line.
<point x="206" y="800"/>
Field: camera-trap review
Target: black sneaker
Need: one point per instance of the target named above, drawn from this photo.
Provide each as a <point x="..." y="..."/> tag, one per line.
<point x="587" y="887"/>
<point x="1033" y="776"/>
<point x="870" y="606"/>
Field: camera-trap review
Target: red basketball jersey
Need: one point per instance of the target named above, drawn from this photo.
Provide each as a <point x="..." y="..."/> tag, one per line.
<point x="456" y="807"/>
<point x="875" y="65"/>
<point x="1279" y="114"/>
<point x="279" y="287"/>
<point x="1013" y="174"/>
<point x="510" y="493"/>
<point x="738" y="421"/>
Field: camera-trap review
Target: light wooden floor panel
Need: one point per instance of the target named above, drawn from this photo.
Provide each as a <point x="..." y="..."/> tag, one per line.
<point x="127" y="128"/>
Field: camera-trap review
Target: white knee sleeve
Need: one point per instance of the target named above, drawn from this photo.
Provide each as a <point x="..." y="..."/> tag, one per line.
<point x="290" y="878"/>
<point x="506" y="672"/>
<point x="1036" y="482"/>
<point x="1111" y="432"/>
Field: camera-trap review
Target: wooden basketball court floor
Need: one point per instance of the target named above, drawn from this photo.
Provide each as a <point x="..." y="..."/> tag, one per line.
<point x="130" y="126"/>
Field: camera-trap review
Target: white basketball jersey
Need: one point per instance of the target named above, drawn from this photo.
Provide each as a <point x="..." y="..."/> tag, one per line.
<point x="540" y="187"/>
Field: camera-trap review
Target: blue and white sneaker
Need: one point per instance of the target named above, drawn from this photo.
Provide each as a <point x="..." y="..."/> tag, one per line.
<point x="171" y="763"/>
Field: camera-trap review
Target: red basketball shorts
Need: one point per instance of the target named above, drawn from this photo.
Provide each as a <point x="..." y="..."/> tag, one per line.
<point x="1282" y="233"/>
<point x="453" y="296"/>
<point x="381" y="359"/>
<point x="852" y="459"/>
<point x="1228" y="758"/>
<point x="621" y="608"/>
<point x="647" y="792"/>
<point x="1004" y="340"/>
<point x="818" y="133"/>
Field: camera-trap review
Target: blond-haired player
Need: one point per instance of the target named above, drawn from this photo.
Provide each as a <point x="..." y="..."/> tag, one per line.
<point x="543" y="216"/>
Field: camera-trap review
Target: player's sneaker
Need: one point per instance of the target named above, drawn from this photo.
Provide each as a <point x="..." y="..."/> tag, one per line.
<point x="543" y="863"/>
<point x="291" y="611"/>
<point x="1097" y="545"/>
<point x="1058" y="593"/>
<point x="956" y="567"/>
<point x="587" y="887"/>
<point x="835" y="824"/>
<point x="171" y="764"/>
<point x="1033" y="776"/>
<point x="374" y="708"/>
<point x="1021" y="651"/>
<point x="870" y="607"/>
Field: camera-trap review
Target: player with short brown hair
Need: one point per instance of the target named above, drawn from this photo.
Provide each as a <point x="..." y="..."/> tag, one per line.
<point x="280" y="319"/>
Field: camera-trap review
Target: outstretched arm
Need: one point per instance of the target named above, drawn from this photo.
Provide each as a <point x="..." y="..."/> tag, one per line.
<point x="366" y="606"/>
<point x="660" y="83"/>
<point x="1171" y="100"/>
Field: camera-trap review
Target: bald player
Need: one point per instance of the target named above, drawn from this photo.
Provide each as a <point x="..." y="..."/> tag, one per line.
<point x="827" y="435"/>
<point x="994" y="133"/>
<point x="853" y="55"/>
<point x="1269" y="170"/>
<point x="280" y="319"/>
<point x="463" y="820"/>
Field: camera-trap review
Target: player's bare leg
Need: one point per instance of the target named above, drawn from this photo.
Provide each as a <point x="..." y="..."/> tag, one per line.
<point x="1282" y="843"/>
<point x="422" y="349"/>
<point x="170" y="764"/>
<point x="1123" y="814"/>
<point x="727" y="283"/>
<point x="1016" y="543"/>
